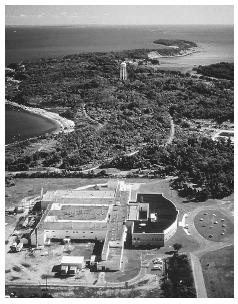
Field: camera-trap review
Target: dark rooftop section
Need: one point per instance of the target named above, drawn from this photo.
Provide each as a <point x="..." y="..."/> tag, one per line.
<point x="142" y="215"/>
<point x="79" y="212"/>
<point x="164" y="209"/>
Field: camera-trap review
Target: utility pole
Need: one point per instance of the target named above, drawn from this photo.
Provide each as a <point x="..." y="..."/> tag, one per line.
<point x="46" y="282"/>
<point x="36" y="238"/>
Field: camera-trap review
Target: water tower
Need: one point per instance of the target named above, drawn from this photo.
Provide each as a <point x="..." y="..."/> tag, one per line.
<point x="123" y="73"/>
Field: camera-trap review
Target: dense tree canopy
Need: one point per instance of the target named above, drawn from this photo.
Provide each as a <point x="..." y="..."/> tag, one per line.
<point x="114" y="117"/>
<point x="222" y="70"/>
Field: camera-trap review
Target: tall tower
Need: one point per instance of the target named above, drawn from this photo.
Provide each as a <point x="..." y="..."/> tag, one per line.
<point x="123" y="73"/>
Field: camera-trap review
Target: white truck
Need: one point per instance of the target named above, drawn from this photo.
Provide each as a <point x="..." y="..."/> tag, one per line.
<point x="64" y="270"/>
<point x="72" y="270"/>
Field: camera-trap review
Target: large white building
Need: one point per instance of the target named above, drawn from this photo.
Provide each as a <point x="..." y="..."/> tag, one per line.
<point x="106" y="215"/>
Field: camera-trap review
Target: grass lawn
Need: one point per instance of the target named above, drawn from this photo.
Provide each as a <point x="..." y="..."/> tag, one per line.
<point x="213" y="225"/>
<point x="218" y="272"/>
<point x="187" y="241"/>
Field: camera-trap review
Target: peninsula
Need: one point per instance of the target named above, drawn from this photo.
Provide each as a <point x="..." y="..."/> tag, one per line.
<point x="170" y="131"/>
<point x="128" y="124"/>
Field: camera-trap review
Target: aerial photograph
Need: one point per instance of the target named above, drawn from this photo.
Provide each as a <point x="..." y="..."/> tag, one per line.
<point x="119" y="151"/>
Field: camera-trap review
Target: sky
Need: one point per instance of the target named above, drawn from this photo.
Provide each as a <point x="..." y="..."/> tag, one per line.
<point x="117" y="15"/>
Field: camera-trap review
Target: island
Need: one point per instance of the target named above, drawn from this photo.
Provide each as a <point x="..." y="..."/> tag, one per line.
<point x="176" y="43"/>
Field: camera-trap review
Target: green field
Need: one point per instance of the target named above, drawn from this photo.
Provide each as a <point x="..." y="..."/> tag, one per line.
<point x="218" y="272"/>
<point x="32" y="187"/>
<point x="213" y="225"/>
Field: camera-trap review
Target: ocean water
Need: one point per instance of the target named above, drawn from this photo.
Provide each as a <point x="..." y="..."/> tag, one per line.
<point x="30" y="43"/>
<point x="22" y="43"/>
<point x="21" y="125"/>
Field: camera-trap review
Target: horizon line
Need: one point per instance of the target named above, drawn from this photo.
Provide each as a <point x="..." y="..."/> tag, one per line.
<point x="97" y="24"/>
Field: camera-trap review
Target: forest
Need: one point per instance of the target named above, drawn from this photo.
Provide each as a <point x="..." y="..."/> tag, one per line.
<point x="123" y="116"/>
<point x="223" y="70"/>
<point x="182" y="44"/>
<point x="178" y="282"/>
<point x="202" y="167"/>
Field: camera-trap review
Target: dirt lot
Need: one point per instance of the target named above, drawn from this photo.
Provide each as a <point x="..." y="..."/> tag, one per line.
<point x="33" y="267"/>
<point x="218" y="271"/>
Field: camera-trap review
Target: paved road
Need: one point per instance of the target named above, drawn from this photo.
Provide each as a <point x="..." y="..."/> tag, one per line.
<point x="198" y="277"/>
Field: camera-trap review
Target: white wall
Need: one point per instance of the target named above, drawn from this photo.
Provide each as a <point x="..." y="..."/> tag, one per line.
<point x="170" y="231"/>
<point x="73" y="234"/>
<point x="144" y="239"/>
<point x="76" y="234"/>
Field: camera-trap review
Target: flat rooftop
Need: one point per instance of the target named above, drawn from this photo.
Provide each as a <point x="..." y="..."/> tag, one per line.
<point x="115" y="227"/>
<point x="133" y="212"/>
<point x="86" y="201"/>
<point x="78" y="194"/>
<point x="164" y="210"/>
<point x="152" y="227"/>
<point x="83" y="210"/>
<point x="80" y="212"/>
<point x="70" y="225"/>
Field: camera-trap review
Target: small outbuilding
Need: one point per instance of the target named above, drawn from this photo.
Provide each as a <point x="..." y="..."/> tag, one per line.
<point x="76" y="261"/>
<point x="93" y="260"/>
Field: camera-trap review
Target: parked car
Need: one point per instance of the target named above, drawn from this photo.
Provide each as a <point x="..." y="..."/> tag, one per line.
<point x="156" y="267"/>
<point x="47" y="242"/>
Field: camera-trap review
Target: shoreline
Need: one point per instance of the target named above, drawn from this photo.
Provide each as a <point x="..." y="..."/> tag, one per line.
<point x="156" y="55"/>
<point x="62" y="124"/>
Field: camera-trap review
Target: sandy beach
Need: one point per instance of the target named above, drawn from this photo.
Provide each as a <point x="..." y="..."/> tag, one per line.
<point x="63" y="124"/>
<point x="156" y="55"/>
